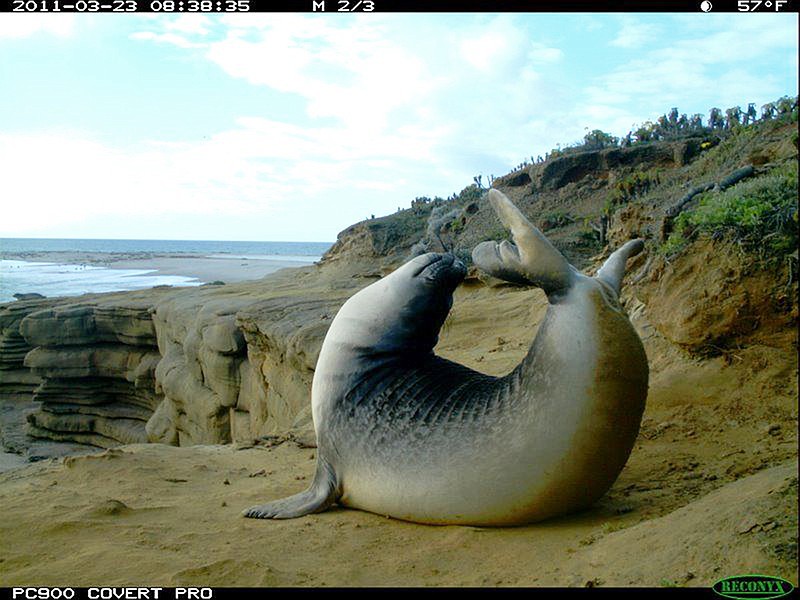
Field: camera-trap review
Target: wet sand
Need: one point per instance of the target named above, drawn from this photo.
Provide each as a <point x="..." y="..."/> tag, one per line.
<point x="206" y="269"/>
<point x="229" y="270"/>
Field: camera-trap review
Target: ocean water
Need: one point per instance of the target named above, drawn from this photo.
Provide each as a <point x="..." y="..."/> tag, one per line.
<point x="61" y="278"/>
<point x="310" y="251"/>
<point x="53" y="279"/>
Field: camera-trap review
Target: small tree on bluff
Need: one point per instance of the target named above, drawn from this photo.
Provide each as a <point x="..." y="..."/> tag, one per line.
<point x="597" y="139"/>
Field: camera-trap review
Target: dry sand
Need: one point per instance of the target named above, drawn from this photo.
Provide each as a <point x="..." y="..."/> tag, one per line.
<point x="159" y="515"/>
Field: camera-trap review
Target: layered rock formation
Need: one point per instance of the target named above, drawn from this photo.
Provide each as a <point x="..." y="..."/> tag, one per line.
<point x="237" y="361"/>
<point x="16" y="380"/>
<point x="179" y="366"/>
<point x="95" y="357"/>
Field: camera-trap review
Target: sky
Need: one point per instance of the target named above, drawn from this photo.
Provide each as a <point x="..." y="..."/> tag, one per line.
<point x="291" y="127"/>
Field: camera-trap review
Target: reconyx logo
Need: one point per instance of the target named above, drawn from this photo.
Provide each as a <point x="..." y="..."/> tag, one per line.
<point x="752" y="586"/>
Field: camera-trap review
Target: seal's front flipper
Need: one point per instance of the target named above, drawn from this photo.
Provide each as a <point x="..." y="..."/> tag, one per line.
<point x="613" y="270"/>
<point x="533" y="260"/>
<point x="323" y="492"/>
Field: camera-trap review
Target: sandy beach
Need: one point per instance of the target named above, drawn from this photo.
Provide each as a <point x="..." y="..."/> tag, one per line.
<point x="206" y="269"/>
<point x="171" y="516"/>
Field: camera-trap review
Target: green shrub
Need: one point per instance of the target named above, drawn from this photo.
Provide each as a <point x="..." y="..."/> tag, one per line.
<point x="760" y="214"/>
<point x="457" y="225"/>
<point x="471" y="193"/>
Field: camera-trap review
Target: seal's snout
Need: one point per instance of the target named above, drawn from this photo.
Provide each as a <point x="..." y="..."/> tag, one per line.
<point x="435" y="268"/>
<point x="459" y="267"/>
<point x="422" y="262"/>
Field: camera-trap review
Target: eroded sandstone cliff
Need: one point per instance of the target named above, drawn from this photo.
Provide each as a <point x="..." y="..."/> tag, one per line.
<point x="214" y="364"/>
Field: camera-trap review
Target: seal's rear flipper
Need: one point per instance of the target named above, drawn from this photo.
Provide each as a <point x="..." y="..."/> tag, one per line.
<point x="501" y="261"/>
<point x="322" y="493"/>
<point x="533" y="260"/>
<point x="613" y="270"/>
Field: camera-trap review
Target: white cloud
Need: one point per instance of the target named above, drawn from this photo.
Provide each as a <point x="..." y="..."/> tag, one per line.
<point x="705" y="67"/>
<point x="249" y="171"/>
<point x="461" y="98"/>
<point x="391" y="107"/>
<point x="86" y="178"/>
<point x="362" y="72"/>
<point x="493" y="47"/>
<point x="22" y="25"/>
<point x="634" y="33"/>
<point x="588" y="22"/>
<point x="501" y="47"/>
<point x="350" y="73"/>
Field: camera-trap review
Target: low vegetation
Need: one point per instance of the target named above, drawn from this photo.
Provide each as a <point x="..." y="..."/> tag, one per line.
<point x="674" y="125"/>
<point x="759" y="214"/>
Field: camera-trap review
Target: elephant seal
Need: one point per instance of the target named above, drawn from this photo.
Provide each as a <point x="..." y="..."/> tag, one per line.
<point x="405" y="433"/>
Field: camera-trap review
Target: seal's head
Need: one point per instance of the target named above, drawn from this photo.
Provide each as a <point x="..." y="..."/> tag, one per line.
<point x="423" y="295"/>
<point x="403" y="312"/>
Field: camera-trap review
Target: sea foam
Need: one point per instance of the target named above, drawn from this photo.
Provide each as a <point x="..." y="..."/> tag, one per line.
<point x="51" y="279"/>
